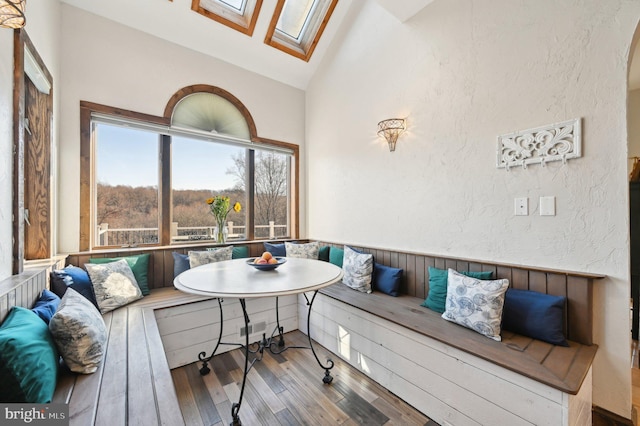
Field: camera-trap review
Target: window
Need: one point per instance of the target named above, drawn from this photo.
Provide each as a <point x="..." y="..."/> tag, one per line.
<point x="271" y="205"/>
<point x="200" y="170"/>
<point x="146" y="182"/>
<point x="297" y="25"/>
<point x="241" y="15"/>
<point x="126" y="186"/>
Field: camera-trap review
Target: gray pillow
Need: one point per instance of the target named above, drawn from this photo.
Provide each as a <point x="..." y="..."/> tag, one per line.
<point x="211" y="255"/>
<point x="358" y="269"/>
<point x="79" y="333"/>
<point x="475" y="304"/>
<point x="114" y="284"/>
<point x="302" y="251"/>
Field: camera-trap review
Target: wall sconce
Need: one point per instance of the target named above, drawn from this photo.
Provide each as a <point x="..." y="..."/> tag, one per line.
<point x="391" y="129"/>
<point x="12" y="13"/>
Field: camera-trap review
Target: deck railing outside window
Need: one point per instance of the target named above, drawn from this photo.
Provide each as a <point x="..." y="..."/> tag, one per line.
<point x="134" y="236"/>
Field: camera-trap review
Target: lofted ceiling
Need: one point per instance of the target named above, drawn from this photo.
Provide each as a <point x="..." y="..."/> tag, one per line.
<point x="175" y="22"/>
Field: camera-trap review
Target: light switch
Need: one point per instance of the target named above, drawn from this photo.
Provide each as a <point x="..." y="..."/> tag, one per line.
<point x="521" y="206"/>
<point x="547" y="206"/>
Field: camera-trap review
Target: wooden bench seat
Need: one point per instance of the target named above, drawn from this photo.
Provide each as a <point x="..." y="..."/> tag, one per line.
<point x="559" y="367"/>
<point x="133" y="384"/>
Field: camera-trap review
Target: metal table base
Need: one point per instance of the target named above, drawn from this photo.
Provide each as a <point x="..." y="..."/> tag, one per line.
<point x="275" y="343"/>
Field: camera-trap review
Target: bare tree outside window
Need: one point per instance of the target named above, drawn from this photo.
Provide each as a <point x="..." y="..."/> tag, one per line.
<point x="271" y="204"/>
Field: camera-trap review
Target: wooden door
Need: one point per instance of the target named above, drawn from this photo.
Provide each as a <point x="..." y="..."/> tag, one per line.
<point x="37" y="173"/>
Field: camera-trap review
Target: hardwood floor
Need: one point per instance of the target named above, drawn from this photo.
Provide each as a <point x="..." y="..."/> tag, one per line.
<point x="287" y="389"/>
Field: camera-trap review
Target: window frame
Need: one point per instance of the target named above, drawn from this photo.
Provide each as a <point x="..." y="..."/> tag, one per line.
<point x="87" y="157"/>
<point x="225" y="14"/>
<point x="311" y="32"/>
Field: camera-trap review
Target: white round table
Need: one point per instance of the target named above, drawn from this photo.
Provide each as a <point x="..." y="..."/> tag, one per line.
<point x="234" y="278"/>
<point x="237" y="279"/>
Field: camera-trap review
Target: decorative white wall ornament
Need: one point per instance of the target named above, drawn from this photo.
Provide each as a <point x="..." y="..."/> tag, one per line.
<point x="554" y="142"/>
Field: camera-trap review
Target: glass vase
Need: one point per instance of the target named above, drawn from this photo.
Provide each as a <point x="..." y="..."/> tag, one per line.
<point x="221" y="233"/>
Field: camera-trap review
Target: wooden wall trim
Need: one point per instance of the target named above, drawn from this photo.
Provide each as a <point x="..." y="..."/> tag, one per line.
<point x="18" y="150"/>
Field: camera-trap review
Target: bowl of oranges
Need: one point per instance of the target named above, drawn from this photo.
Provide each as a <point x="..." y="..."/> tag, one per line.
<point x="266" y="262"/>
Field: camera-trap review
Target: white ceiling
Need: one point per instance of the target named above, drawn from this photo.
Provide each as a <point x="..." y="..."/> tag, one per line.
<point x="174" y="21"/>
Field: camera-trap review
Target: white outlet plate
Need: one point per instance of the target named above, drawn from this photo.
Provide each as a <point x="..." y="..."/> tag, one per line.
<point x="547" y="206"/>
<point x="521" y="206"/>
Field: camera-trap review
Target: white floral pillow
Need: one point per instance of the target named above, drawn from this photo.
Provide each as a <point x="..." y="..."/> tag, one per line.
<point x="302" y="251"/>
<point x="79" y="332"/>
<point x="358" y="269"/>
<point x="114" y="284"/>
<point x="475" y="304"/>
<point x="211" y="255"/>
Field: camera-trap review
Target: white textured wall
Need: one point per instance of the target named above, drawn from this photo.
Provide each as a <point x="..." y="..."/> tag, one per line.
<point x="110" y="64"/>
<point x="464" y="72"/>
<point x="6" y="144"/>
<point x="43" y="20"/>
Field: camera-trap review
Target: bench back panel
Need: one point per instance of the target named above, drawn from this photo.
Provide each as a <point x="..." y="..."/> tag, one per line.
<point x="23" y="289"/>
<point x="160" y="272"/>
<point x="576" y="287"/>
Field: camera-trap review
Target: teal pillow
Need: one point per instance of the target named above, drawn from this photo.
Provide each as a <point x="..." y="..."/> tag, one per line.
<point x="28" y="359"/>
<point x="240" y="252"/>
<point x="323" y="253"/>
<point x="336" y="256"/>
<point x="437" y="297"/>
<point x="139" y="265"/>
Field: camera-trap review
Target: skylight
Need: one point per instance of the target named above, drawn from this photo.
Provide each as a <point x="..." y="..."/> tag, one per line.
<point x="241" y="15"/>
<point x="297" y="25"/>
<point x="236" y="4"/>
<point x="294" y="16"/>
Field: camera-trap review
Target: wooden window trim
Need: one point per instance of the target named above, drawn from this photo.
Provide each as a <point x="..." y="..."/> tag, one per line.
<point x="243" y="23"/>
<point x="87" y="162"/>
<point x="87" y="157"/>
<point x="304" y="49"/>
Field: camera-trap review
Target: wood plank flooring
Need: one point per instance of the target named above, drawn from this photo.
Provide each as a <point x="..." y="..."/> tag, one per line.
<point x="287" y="389"/>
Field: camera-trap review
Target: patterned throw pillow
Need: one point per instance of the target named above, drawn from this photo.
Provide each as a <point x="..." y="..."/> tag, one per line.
<point x="139" y="265"/>
<point x="358" y="268"/>
<point x="79" y="333"/>
<point x="114" y="284"/>
<point x="302" y="251"/>
<point x="476" y="304"/>
<point x="198" y="258"/>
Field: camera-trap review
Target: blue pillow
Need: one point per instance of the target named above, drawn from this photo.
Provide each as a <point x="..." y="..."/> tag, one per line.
<point x="46" y="305"/>
<point x="180" y="263"/>
<point x="537" y="315"/>
<point x="386" y="279"/>
<point x="75" y="278"/>
<point x="336" y="256"/>
<point x="275" y="249"/>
